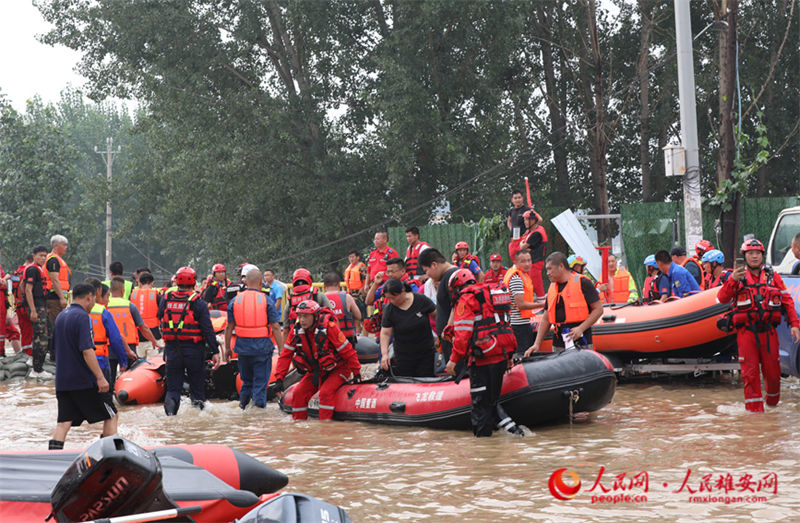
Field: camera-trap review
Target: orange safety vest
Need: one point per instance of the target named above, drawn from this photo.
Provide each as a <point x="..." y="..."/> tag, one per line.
<point x="527" y="285"/>
<point x="352" y="277"/>
<point x="576" y="309"/>
<point x="702" y="282"/>
<point x="99" y="334"/>
<point x="120" y="309"/>
<point x="250" y="314"/>
<point x="620" y="287"/>
<point x="146" y="300"/>
<point x="63" y="272"/>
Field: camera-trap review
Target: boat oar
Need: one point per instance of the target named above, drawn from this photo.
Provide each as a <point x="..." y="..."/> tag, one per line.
<point x="152" y="516"/>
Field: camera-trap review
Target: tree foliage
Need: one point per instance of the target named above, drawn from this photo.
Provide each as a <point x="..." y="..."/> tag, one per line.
<point x="287" y="132"/>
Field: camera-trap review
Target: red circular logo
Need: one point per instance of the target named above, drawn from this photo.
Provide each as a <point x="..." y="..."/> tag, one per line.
<point x="561" y="490"/>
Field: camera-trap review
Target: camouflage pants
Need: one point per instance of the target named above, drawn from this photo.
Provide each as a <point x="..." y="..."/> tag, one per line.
<point x="41" y="338"/>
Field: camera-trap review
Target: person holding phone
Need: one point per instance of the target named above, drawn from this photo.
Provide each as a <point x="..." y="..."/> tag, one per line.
<point x="760" y="298"/>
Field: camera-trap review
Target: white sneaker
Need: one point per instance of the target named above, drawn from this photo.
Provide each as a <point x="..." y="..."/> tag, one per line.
<point x="44" y="375"/>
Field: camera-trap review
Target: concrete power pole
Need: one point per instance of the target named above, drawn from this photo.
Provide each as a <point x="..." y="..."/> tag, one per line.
<point x="109" y="160"/>
<point x="693" y="216"/>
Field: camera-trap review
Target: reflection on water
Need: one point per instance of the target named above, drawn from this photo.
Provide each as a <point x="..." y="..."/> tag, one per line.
<point x="381" y="473"/>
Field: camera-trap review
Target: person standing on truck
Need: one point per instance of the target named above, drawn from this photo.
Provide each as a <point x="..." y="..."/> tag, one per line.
<point x="760" y="297"/>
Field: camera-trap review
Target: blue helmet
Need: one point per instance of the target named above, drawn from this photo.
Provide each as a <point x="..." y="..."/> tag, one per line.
<point x="714" y="255"/>
<point x="650" y="261"/>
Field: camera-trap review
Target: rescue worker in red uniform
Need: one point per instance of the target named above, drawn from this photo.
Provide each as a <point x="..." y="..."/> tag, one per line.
<point x="25" y="325"/>
<point x="716" y="274"/>
<point x="465" y="260"/>
<point x="214" y="294"/>
<point x="759" y="296"/>
<point x="320" y="351"/>
<point x="534" y="239"/>
<point x="344" y="307"/>
<point x="376" y="262"/>
<point x="482" y="334"/>
<point x="302" y="289"/>
<point x="8" y="331"/>
<point x="185" y="326"/>
<point x="497" y="271"/>
<point x="415" y="247"/>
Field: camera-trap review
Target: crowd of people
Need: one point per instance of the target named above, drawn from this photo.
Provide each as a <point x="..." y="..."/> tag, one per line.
<point x="423" y="307"/>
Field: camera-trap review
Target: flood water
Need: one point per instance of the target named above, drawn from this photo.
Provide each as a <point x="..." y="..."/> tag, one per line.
<point x="656" y="431"/>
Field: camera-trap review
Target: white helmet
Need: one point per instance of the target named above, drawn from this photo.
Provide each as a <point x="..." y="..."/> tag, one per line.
<point x="247" y="268"/>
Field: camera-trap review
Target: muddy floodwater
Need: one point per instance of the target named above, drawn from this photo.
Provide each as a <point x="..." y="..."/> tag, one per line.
<point x="683" y="450"/>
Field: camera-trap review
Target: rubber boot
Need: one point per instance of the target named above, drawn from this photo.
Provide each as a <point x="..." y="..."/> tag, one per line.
<point x="171" y="406"/>
<point x="198" y="404"/>
<point x="55" y="445"/>
<point x="507" y="424"/>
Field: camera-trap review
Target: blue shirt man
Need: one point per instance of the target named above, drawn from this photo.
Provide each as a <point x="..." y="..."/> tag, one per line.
<point x="681" y="281"/>
<point x="255" y="353"/>
<point x="72" y="335"/>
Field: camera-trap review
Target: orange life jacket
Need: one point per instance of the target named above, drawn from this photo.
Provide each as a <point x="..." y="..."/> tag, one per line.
<point x="352" y="277"/>
<point x="250" y="314"/>
<point x="146" y="300"/>
<point x="99" y="334"/>
<point x="527" y="285"/>
<point x="620" y="287"/>
<point x="178" y="322"/>
<point x="63" y="272"/>
<point x="343" y="315"/>
<point x="702" y="282"/>
<point x="120" y="309"/>
<point x="576" y="309"/>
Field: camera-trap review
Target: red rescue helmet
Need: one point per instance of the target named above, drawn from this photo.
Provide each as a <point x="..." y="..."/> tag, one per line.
<point x="218" y="268"/>
<point x="702" y="246"/>
<point x="531" y="214"/>
<point x="495" y="257"/>
<point x="752" y="245"/>
<point x="301" y="280"/>
<point x="307" y="307"/>
<point x="462" y="245"/>
<point x="185" y="276"/>
<point x="460" y="280"/>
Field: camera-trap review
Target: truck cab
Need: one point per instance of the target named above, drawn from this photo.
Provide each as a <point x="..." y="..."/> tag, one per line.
<point x="780" y="256"/>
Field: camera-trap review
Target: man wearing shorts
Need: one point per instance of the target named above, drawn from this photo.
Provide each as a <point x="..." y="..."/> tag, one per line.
<point x="81" y="388"/>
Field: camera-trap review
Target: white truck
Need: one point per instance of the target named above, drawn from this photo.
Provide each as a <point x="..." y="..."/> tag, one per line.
<point x="781" y="257"/>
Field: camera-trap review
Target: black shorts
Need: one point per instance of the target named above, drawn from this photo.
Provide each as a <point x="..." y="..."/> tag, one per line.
<point x="88" y="405"/>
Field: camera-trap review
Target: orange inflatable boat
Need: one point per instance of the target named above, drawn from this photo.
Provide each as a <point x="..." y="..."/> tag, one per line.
<point x="685" y="327"/>
<point x="143" y="382"/>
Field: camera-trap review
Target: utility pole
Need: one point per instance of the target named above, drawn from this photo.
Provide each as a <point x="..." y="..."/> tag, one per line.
<point x="693" y="216"/>
<point x="109" y="160"/>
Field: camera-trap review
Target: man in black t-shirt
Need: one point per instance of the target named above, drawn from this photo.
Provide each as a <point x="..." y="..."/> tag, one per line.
<point x="438" y="269"/>
<point x="572" y="307"/>
<point x="35" y="299"/>
<point x="515" y="222"/>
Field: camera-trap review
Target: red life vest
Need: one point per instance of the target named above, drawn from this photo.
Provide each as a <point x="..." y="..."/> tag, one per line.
<point x="650" y="289"/>
<point x="467" y="261"/>
<point x="219" y="302"/>
<point x="537" y="253"/>
<point x="178" y="322"/>
<point x="412" y="257"/>
<point x="722" y="278"/>
<point x="491" y="331"/>
<point x="757" y="303"/>
<point x="494" y="277"/>
<point x="343" y="315"/>
<point x="313" y="351"/>
<point x="250" y="314"/>
<point x="296" y="298"/>
<point x="16" y="286"/>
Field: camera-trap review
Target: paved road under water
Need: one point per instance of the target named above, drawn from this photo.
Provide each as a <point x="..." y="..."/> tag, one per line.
<point x="658" y="431"/>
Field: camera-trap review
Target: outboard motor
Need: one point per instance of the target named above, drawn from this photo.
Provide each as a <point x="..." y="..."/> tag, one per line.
<point x="295" y="508"/>
<point x="113" y="477"/>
